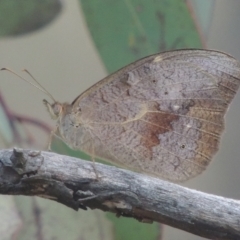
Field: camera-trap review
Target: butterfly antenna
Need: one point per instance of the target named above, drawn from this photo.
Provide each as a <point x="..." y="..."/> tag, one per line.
<point x="39" y="86"/>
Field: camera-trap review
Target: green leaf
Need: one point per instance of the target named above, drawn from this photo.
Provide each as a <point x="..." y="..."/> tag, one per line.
<point x="20" y="17"/>
<point x="124" y="31"/>
<point x="204" y="14"/>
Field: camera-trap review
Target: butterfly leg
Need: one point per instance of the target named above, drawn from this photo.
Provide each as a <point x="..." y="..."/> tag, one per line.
<point x="52" y="133"/>
<point x="93" y="162"/>
<point x="94" y="167"/>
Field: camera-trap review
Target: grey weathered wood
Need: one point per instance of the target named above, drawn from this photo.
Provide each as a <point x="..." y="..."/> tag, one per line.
<point x="73" y="182"/>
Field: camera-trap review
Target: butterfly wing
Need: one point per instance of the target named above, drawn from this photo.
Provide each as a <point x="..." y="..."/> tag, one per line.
<point x="162" y="115"/>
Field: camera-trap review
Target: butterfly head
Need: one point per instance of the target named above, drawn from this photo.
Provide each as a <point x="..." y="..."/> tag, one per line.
<point x="55" y="109"/>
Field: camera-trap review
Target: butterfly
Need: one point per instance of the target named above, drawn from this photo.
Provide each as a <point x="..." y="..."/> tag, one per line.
<point x="162" y="115"/>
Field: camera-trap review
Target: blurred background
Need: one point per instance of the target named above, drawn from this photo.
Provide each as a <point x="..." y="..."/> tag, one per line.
<point x="69" y="50"/>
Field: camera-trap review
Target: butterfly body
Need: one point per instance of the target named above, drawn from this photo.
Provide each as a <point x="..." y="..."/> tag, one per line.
<point x="162" y="115"/>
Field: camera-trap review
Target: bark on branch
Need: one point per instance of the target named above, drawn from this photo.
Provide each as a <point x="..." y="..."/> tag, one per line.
<point x="73" y="182"/>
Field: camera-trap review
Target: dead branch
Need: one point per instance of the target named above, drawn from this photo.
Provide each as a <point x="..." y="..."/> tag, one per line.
<point x="73" y="182"/>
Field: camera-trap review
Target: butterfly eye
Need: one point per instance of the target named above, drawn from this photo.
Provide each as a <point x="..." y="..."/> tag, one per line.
<point x="57" y="109"/>
<point x="54" y="109"/>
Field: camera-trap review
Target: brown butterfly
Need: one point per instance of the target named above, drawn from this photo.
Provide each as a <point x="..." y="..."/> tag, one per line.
<point x="161" y="115"/>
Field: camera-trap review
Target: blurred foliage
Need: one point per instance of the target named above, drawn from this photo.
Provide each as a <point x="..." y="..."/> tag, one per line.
<point x="20" y="17"/>
<point x="44" y="219"/>
<point x="124" y="31"/>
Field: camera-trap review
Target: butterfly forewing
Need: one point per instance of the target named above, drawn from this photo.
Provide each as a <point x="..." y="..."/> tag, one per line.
<point x="162" y="115"/>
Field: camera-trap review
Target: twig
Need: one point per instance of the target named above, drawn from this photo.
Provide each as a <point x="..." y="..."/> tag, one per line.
<point x="73" y="182"/>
